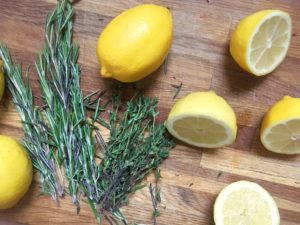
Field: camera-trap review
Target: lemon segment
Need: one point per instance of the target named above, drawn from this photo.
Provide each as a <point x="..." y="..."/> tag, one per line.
<point x="280" y="130"/>
<point x="203" y="119"/>
<point x="135" y="43"/>
<point x="245" y="203"/>
<point x="15" y="172"/>
<point x="260" y="41"/>
<point x="2" y="80"/>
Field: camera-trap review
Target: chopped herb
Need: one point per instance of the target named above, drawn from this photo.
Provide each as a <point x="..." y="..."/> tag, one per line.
<point x="165" y="66"/>
<point x="157" y="189"/>
<point x="178" y="89"/>
<point x="156" y="213"/>
<point x="219" y="174"/>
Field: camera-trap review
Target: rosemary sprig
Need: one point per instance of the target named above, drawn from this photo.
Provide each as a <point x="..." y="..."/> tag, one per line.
<point x="59" y="76"/>
<point x="38" y="139"/>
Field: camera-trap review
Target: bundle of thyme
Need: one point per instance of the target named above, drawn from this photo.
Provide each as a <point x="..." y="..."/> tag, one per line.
<point x="136" y="147"/>
<point x="60" y="138"/>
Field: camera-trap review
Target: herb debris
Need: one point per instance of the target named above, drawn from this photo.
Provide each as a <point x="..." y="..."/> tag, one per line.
<point x="178" y="89"/>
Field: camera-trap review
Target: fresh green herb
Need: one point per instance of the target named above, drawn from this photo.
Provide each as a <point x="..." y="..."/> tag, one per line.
<point x="59" y="77"/>
<point x="155" y="196"/>
<point x="61" y="140"/>
<point x="136" y="147"/>
<point x="178" y="89"/>
<point x="38" y="138"/>
<point x="157" y="189"/>
<point x="156" y="213"/>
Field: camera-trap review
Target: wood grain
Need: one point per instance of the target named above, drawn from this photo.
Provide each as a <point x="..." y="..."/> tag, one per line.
<point x="201" y="61"/>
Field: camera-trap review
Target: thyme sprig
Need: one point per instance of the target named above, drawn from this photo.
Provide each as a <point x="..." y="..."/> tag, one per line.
<point x="136" y="147"/>
<point x="155" y="196"/>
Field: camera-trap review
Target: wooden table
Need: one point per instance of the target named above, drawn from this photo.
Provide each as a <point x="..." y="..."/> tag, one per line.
<point x="200" y="59"/>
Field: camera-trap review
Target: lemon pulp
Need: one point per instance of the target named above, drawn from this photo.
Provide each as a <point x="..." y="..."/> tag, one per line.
<point x="245" y="203"/>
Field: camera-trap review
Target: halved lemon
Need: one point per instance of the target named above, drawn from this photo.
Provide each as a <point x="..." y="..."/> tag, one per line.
<point x="203" y="119"/>
<point x="260" y="41"/>
<point x="245" y="203"/>
<point x="280" y="130"/>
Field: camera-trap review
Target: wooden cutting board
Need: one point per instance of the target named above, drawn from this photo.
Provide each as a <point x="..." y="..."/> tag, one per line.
<point x="200" y="60"/>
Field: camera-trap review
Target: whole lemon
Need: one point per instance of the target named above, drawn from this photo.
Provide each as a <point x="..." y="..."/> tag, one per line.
<point x="2" y="80"/>
<point x="15" y="172"/>
<point x="135" y="43"/>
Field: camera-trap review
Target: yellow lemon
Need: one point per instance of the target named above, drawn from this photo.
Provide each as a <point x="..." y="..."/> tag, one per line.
<point x="203" y="119"/>
<point x="2" y="80"/>
<point x="245" y="203"/>
<point x="135" y="43"/>
<point x="15" y="172"/>
<point x="260" y="41"/>
<point x="280" y="130"/>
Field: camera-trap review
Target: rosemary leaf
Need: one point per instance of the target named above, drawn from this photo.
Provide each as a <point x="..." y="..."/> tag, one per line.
<point x="178" y="89"/>
<point x="165" y="65"/>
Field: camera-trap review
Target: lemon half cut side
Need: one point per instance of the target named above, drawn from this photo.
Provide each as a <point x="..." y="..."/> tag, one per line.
<point x="245" y="203"/>
<point x="261" y="41"/>
<point x="203" y="119"/>
<point x="280" y="130"/>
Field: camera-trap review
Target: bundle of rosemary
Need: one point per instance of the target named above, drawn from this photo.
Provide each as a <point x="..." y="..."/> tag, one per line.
<point x="37" y="138"/>
<point x="60" y="137"/>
